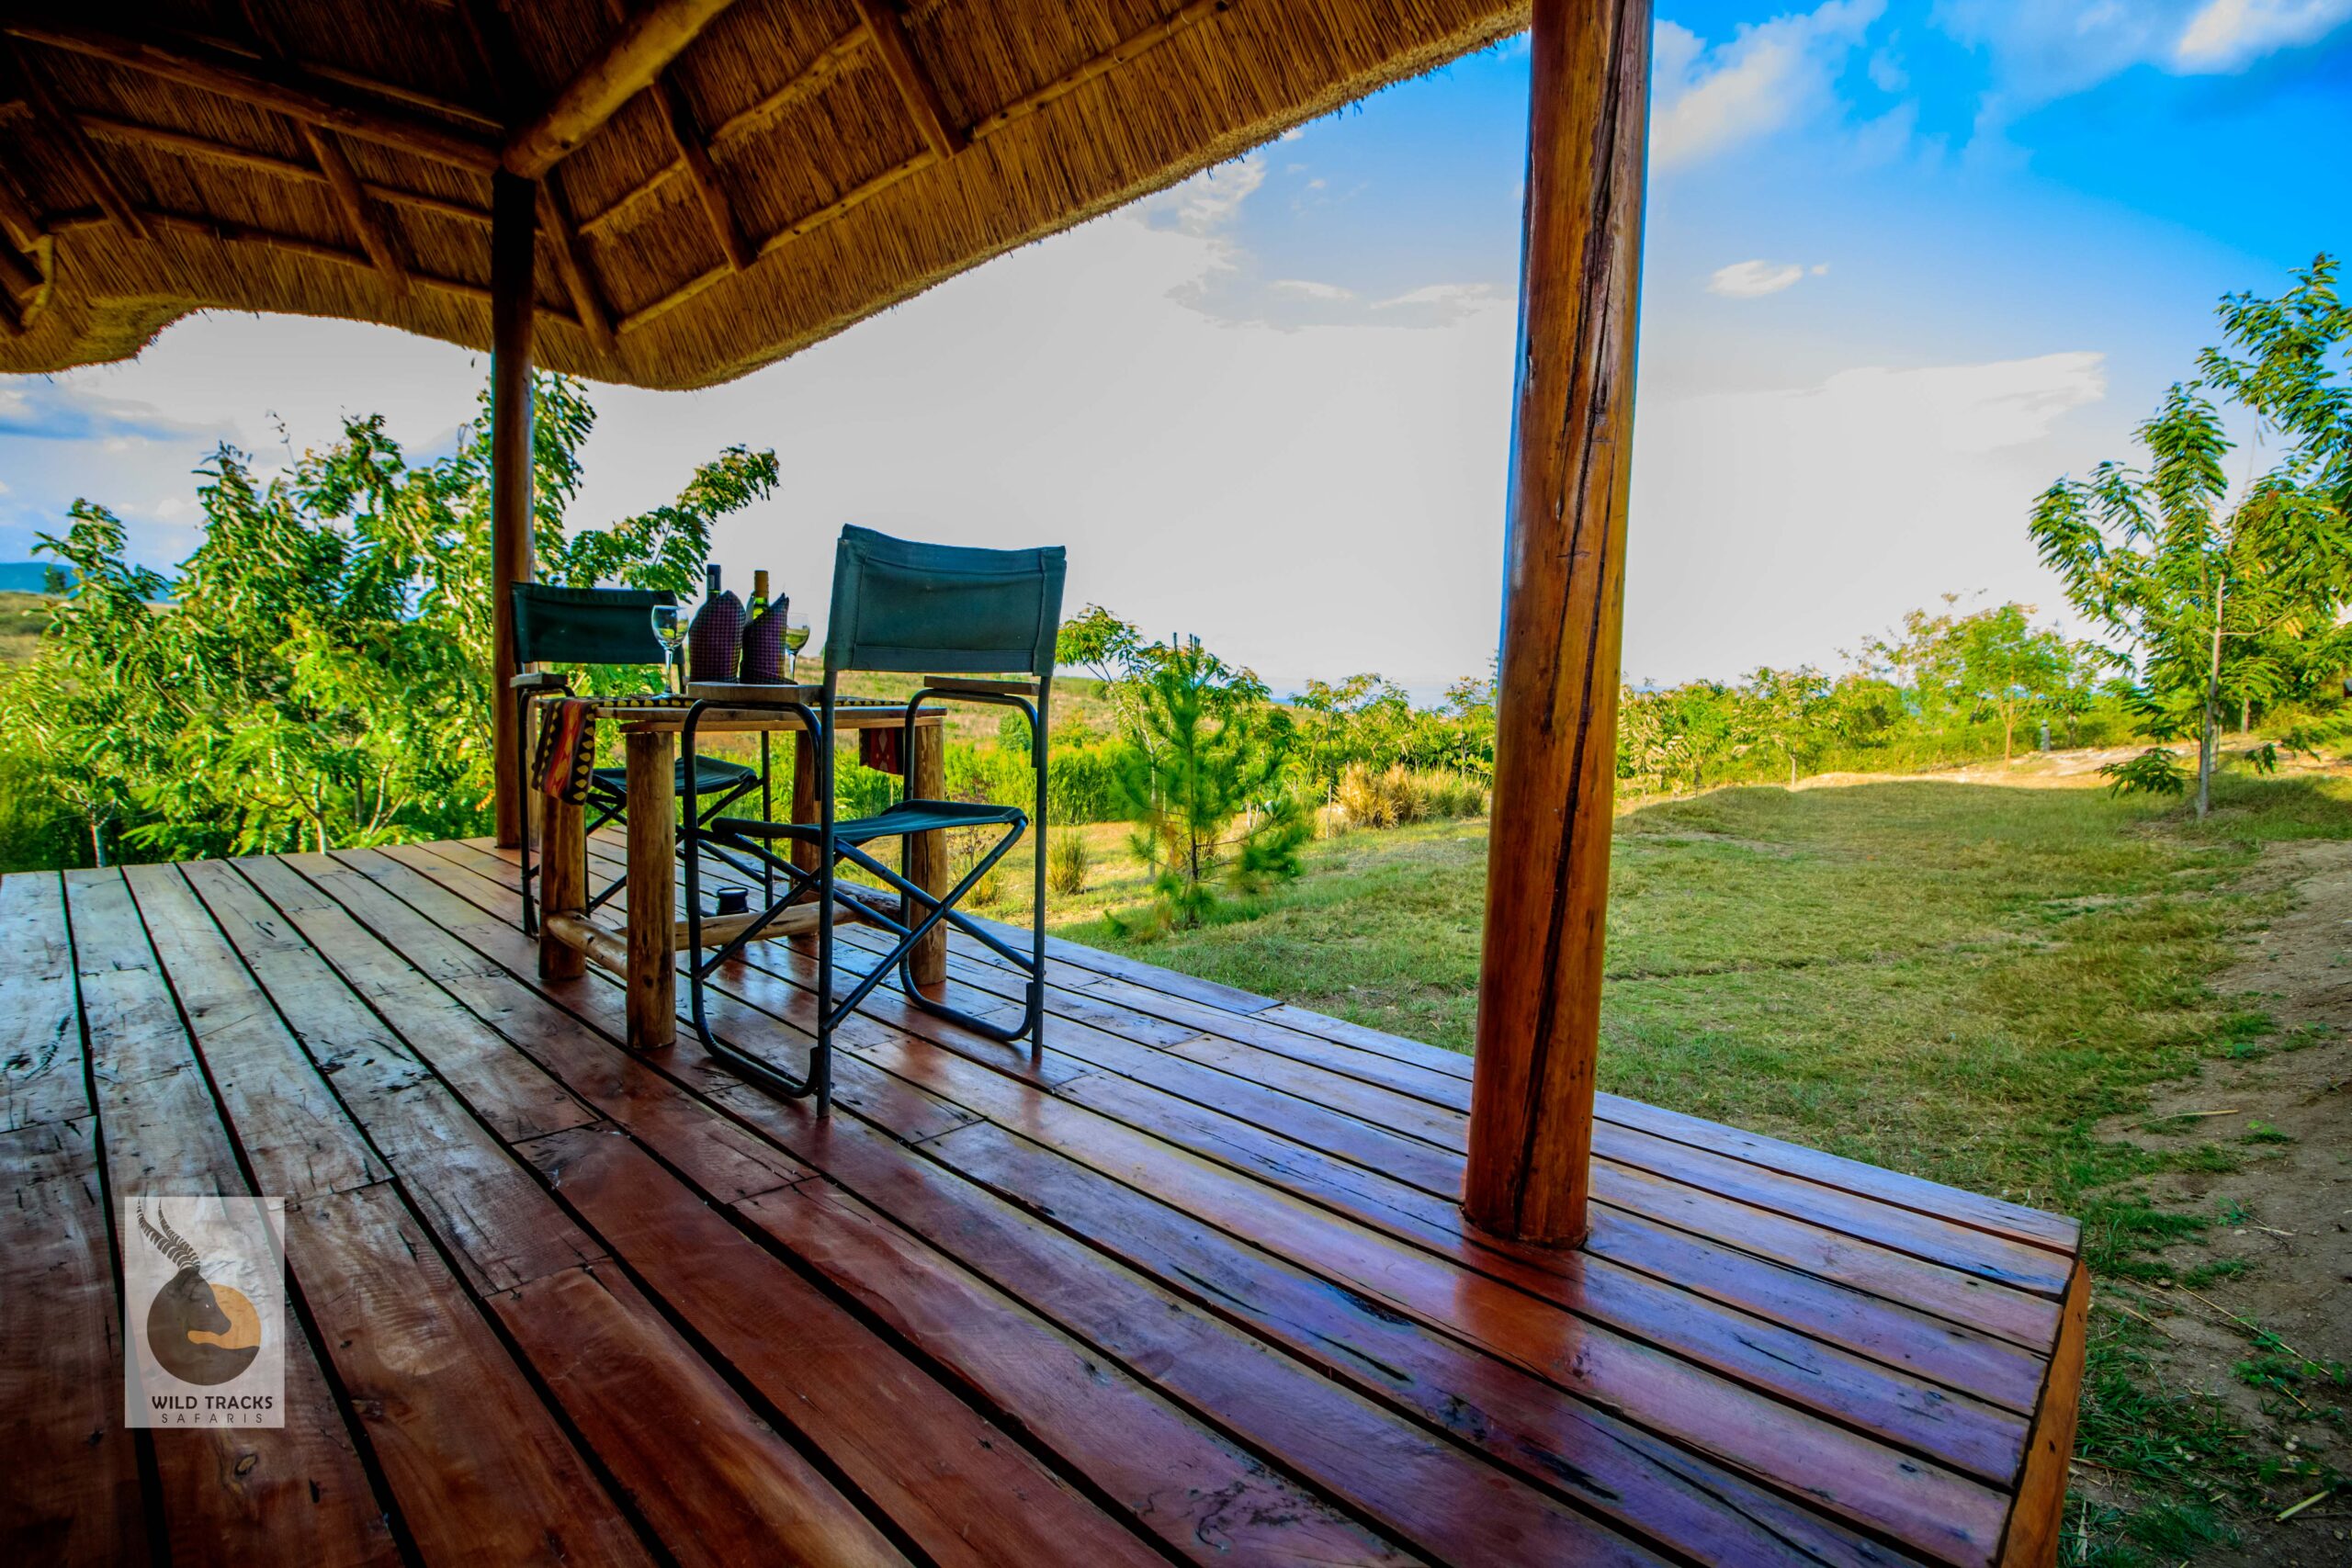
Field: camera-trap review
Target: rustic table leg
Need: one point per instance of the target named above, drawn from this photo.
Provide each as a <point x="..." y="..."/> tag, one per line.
<point x="563" y="883"/>
<point x="804" y="794"/>
<point x="928" y="866"/>
<point x="652" y="898"/>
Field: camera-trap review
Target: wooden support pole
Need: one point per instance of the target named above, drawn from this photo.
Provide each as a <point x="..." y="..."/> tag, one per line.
<point x="1547" y="865"/>
<point x="804" y="795"/>
<point x="652" y="1007"/>
<point x="929" y="866"/>
<point x="513" y="232"/>
<point x="638" y="50"/>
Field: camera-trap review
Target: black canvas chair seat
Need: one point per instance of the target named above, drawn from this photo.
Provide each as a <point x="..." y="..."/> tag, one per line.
<point x="947" y="614"/>
<point x="713" y="775"/>
<point x="906" y="816"/>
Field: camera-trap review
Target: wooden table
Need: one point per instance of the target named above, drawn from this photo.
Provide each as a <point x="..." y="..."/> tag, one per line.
<point x="646" y="954"/>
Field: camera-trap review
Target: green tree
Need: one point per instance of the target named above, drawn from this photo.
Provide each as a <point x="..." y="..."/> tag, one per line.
<point x="1205" y="790"/>
<point x="2209" y="590"/>
<point x="1363" y="718"/>
<point x="321" y="675"/>
<point x="1785" y="711"/>
<point x="1669" y="737"/>
<point x="2008" y="665"/>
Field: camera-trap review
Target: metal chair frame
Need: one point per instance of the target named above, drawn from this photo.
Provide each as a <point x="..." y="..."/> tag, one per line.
<point x="897" y="605"/>
<point x="929" y="912"/>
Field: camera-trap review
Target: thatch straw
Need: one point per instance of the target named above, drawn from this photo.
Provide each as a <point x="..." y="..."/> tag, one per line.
<point x="1066" y="107"/>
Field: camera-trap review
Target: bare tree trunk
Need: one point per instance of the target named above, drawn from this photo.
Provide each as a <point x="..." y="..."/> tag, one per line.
<point x="2209" y="734"/>
<point x="99" y="841"/>
<point x="2245" y="715"/>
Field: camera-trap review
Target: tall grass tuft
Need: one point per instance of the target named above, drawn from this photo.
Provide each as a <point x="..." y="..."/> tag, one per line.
<point x="1399" y="794"/>
<point x="1069" y="863"/>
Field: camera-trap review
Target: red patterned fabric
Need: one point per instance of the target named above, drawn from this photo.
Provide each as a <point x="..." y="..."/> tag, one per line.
<point x="880" y="750"/>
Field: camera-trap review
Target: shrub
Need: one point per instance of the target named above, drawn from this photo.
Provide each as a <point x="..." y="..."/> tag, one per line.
<point x="1442" y="797"/>
<point x="1363" y="796"/>
<point x="1399" y="794"/>
<point x="1069" y="863"/>
<point x="2153" y="772"/>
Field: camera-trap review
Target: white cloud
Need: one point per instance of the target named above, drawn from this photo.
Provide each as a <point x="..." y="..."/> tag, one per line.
<point x="1443" y="304"/>
<point x="1774" y="526"/>
<point x="1312" y="289"/>
<point x="2042" y="50"/>
<point x="1210" y="200"/>
<point x="1754" y="279"/>
<point x="2228" y="35"/>
<point x="1767" y="76"/>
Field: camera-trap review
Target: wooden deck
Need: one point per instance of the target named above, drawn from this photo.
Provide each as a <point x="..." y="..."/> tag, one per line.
<point x="1199" y="1291"/>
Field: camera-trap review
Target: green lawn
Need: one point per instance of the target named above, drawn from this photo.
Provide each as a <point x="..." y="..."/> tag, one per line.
<point x="1956" y="980"/>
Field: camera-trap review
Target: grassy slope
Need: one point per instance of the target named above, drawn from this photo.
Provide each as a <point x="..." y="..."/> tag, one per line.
<point x="22" y="616"/>
<point x="1956" y="980"/>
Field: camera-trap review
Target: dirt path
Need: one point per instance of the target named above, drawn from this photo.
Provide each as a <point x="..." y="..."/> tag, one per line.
<point x="2285" y="1215"/>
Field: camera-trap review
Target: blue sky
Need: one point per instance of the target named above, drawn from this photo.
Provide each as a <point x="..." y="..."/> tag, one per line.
<point x="1906" y="261"/>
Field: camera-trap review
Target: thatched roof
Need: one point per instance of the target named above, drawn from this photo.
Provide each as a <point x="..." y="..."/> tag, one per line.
<point x="723" y="184"/>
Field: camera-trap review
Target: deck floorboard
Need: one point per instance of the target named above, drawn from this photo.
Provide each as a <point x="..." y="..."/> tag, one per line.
<point x="1191" y="1287"/>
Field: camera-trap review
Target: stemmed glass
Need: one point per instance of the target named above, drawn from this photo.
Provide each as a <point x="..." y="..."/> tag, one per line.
<point x="795" y="637"/>
<point x="669" y="630"/>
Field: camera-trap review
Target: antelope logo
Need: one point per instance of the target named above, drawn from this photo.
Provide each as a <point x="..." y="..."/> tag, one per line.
<point x="199" y="1331"/>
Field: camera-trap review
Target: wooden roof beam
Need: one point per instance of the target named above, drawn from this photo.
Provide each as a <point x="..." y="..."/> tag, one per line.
<point x="572" y="265"/>
<point x="112" y="199"/>
<point x="358" y="211"/>
<point x="228" y="233"/>
<point x="914" y="83"/>
<point x="17" y="220"/>
<point x="106" y="129"/>
<point x="637" y="52"/>
<point x="694" y="157"/>
<point x="287" y="91"/>
<point x="359" y="214"/>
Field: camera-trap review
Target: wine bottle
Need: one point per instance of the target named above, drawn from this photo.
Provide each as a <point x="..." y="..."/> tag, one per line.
<point x="715" y="643"/>
<point x="759" y="596"/>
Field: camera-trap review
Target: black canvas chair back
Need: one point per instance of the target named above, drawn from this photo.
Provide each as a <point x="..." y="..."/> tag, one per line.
<point x="951" y="614"/>
<point x="586" y="626"/>
<point x="901" y="605"/>
<point x="597" y="625"/>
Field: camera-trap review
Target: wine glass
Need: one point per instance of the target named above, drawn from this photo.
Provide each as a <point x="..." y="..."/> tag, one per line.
<point x="669" y="630"/>
<point x="795" y="637"/>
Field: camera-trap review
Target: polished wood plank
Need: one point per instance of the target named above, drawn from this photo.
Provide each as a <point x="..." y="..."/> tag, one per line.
<point x="1207" y="1499"/>
<point x="72" y="1496"/>
<point x="620" y="1375"/>
<point x="2039" y="1514"/>
<point x="714" y="1479"/>
<point x="480" y="1467"/>
<point x="964" y="1488"/>
<point x="40" y="1028"/>
<point x="251" y="1494"/>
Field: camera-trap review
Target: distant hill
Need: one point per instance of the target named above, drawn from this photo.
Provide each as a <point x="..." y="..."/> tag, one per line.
<point x="25" y="576"/>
